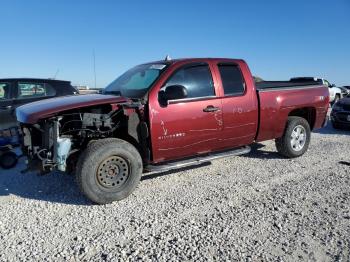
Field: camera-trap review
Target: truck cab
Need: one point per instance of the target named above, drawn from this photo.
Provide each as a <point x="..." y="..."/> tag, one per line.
<point x="220" y="100"/>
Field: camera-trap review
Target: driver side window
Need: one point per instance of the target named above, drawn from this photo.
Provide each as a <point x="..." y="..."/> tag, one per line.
<point x="196" y="79"/>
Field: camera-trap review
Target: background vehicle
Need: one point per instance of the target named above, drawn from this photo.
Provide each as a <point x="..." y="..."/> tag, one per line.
<point x="9" y="139"/>
<point x="340" y="115"/>
<point x="335" y="93"/>
<point x="345" y="90"/>
<point x="15" y="92"/>
<point x="166" y="115"/>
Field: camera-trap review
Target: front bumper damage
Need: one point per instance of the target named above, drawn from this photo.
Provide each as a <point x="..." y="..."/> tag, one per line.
<point x="45" y="148"/>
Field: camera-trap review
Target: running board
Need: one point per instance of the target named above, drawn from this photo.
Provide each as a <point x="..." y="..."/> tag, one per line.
<point x="154" y="169"/>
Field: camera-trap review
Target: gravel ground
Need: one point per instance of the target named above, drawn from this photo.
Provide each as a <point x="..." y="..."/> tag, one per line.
<point x="254" y="207"/>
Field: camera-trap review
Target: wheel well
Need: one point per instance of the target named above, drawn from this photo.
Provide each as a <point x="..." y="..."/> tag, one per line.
<point x="308" y="113"/>
<point x="131" y="140"/>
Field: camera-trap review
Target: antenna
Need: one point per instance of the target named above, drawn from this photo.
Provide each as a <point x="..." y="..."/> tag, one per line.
<point x="54" y="77"/>
<point x="93" y="54"/>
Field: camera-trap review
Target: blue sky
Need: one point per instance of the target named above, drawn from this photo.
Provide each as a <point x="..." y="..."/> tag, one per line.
<point x="279" y="39"/>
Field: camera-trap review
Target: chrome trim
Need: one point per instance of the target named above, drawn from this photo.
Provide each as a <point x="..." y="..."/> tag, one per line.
<point x="287" y="88"/>
<point x="154" y="169"/>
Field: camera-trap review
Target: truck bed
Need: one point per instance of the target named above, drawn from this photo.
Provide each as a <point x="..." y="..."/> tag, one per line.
<point x="279" y="99"/>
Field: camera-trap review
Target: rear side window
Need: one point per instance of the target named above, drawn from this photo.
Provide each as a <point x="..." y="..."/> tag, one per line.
<point x="232" y="79"/>
<point x="4" y="91"/>
<point x="32" y="90"/>
<point x="196" y="79"/>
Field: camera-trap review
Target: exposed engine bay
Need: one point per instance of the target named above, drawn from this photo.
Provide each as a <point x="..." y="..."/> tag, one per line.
<point x="57" y="142"/>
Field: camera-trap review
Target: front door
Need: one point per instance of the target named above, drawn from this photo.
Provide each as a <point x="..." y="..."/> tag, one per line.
<point x="189" y="126"/>
<point x="7" y="118"/>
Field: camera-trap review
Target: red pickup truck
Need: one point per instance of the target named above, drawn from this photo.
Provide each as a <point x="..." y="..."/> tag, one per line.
<point x="167" y="115"/>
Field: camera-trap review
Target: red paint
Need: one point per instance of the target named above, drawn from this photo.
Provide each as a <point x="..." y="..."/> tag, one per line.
<point x="275" y="107"/>
<point x="33" y="112"/>
<point x="237" y="122"/>
<point x="182" y="129"/>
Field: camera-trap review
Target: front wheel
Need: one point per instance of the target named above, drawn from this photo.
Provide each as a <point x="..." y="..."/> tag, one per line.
<point x="296" y="138"/>
<point x="109" y="170"/>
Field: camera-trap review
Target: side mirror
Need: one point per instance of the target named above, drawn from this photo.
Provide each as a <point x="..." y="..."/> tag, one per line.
<point x="172" y="93"/>
<point x="333" y="85"/>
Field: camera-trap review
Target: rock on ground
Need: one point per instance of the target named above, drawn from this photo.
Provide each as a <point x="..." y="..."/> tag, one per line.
<point x="254" y="207"/>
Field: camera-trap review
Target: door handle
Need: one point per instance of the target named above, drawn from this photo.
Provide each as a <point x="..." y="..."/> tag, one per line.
<point x="211" y="109"/>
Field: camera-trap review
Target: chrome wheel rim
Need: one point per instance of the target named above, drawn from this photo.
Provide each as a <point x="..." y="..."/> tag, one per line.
<point x="113" y="172"/>
<point x="298" y="138"/>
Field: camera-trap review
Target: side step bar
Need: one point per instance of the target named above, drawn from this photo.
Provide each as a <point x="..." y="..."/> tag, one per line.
<point x="154" y="169"/>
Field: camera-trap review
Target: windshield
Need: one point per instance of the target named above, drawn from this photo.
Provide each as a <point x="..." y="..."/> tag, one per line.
<point x="135" y="82"/>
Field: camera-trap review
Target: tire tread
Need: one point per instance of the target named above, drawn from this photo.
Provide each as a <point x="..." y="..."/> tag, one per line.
<point x="282" y="143"/>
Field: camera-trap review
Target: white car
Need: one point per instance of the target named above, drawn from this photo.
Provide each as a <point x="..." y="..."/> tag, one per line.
<point x="335" y="93"/>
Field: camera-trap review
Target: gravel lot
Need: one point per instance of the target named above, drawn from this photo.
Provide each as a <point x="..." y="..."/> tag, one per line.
<point x="254" y="207"/>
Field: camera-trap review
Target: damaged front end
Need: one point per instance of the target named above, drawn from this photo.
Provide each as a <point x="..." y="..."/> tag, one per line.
<point x="45" y="148"/>
<point x="49" y="143"/>
<point x="56" y="143"/>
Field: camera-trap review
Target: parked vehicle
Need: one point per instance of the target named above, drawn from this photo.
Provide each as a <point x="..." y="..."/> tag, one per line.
<point x="335" y="93"/>
<point x="15" y="92"/>
<point x="9" y="139"/>
<point x="340" y="115"/>
<point x="8" y="158"/>
<point x="345" y="90"/>
<point x="166" y="115"/>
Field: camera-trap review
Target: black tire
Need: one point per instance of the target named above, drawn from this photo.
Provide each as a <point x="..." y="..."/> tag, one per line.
<point x="8" y="160"/>
<point x="284" y="144"/>
<point x="100" y="182"/>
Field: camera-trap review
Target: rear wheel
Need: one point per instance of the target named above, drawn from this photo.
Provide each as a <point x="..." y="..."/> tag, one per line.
<point x="296" y="138"/>
<point x="109" y="170"/>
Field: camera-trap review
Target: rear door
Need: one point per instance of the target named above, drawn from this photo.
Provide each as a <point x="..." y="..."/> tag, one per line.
<point x="189" y="126"/>
<point x="7" y="118"/>
<point x="239" y="106"/>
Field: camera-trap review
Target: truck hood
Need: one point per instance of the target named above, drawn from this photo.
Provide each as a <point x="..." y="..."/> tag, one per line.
<point x="32" y="112"/>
